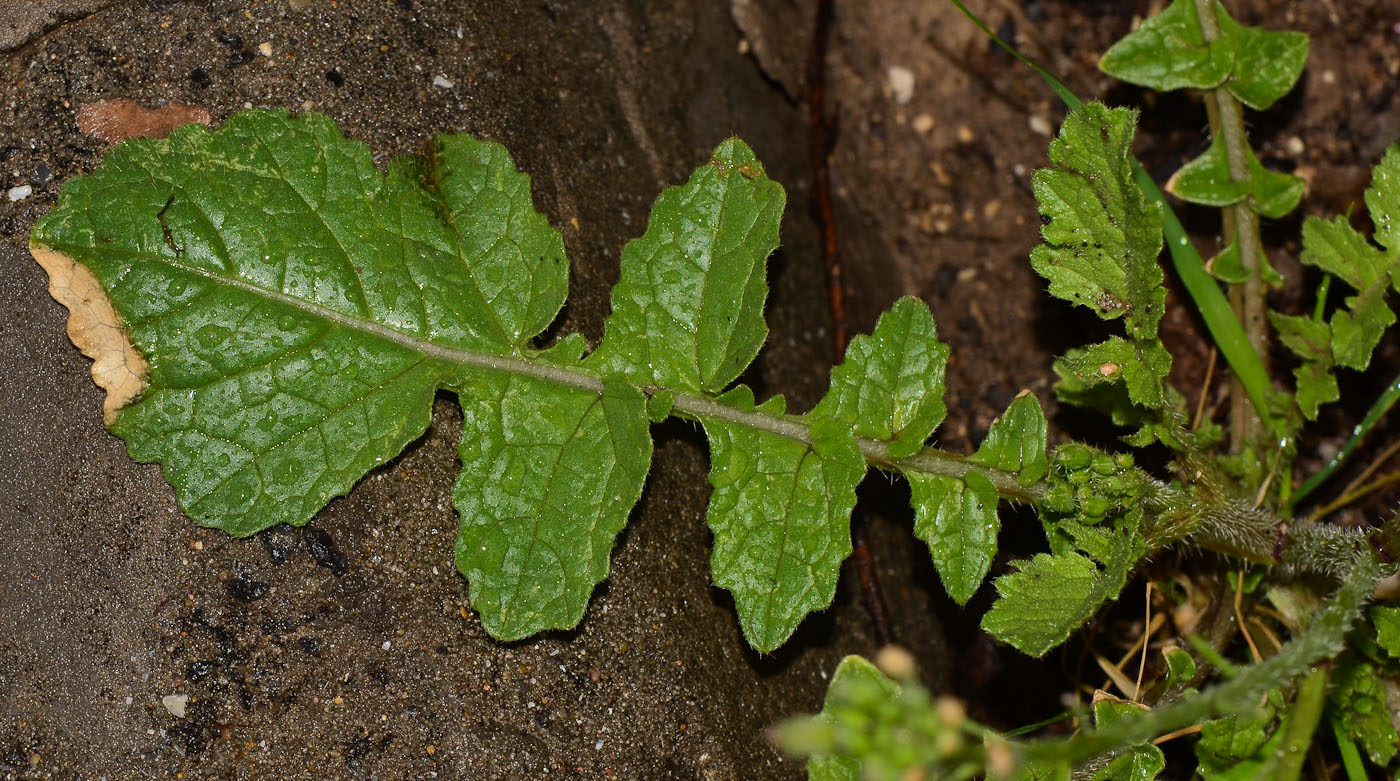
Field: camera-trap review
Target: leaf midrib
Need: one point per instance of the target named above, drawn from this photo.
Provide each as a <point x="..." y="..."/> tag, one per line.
<point x="687" y="403"/>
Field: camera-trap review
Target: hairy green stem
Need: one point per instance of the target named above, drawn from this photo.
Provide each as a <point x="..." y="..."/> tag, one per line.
<point x="1229" y="125"/>
<point x="1324" y="637"/>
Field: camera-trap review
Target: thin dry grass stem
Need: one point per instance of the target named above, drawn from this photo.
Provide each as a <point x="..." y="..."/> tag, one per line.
<point x="1264" y="629"/>
<point x="1348" y="498"/>
<point x="1372" y="467"/>
<point x="1142" y="661"/>
<point x="1191" y="730"/>
<point x="1115" y="675"/>
<point x="1118" y="677"/>
<point x="1239" y="618"/>
<point x="1205" y="387"/>
<point x="1269" y="480"/>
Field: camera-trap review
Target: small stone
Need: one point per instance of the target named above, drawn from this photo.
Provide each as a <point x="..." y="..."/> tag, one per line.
<point x="265" y="48"/>
<point x="175" y="704"/>
<point x="923" y="123"/>
<point x="965" y="135"/>
<point x="444" y="82"/>
<point x="1294" y="146"/>
<point x="901" y="84"/>
<point x="21" y="192"/>
<point x="1040" y="125"/>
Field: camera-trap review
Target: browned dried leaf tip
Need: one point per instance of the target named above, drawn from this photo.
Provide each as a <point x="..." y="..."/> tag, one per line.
<point x="122" y="118"/>
<point x="95" y="328"/>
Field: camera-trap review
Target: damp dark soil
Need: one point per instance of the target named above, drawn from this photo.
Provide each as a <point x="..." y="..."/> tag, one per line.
<point x="134" y="644"/>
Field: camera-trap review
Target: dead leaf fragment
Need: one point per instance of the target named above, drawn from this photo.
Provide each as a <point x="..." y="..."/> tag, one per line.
<point x="123" y="118"/>
<point x="95" y="329"/>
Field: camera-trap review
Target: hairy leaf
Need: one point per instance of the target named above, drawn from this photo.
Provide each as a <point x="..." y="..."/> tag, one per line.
<point x="1312" y="341"/>
<point x="1101" y="244"/>
<point x="1141" y="366"/>
<point x="1016" y="441"/>
<point x="958" y="520"/>
<point x="1167" y="52"/>
<point x="780" y="513"/>
<point x="1051" y="596"/>
<point x="890" y="386"/>
<point x="548" y="477"/>
<point x="1351" y="335"/>
<point x="688" y="308"/>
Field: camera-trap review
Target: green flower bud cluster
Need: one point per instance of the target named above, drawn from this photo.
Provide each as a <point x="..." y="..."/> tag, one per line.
<point x="890" y="728"/>
<point x="1091" y="484"/>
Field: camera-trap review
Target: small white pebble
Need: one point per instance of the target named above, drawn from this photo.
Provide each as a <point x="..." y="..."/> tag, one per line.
<point x="387" y="645"/>
<point x="1040" y="125"/>
<point x="175" y="703"/>
<point x="1294" y="146"/>
<point x="923" y="124"/>
<point x="265" y="48"/>
<point x="21" y="192"/>
<point x="442" y="81"/>
<point x="901" y="84"/>
<point x="598" y="746"/>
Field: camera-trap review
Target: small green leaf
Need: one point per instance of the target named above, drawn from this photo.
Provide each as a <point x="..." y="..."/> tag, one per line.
<point x="1181" y="668"/>
<point x="1140" y="366"/>
<point x="1238" y="747"/>
<point x="1274" y="193"/>
<point x="1051" y="596"/>
<point x="688" y="308"/>
<point x="1351" y="336"/>
<point x="1101" y="244"/>
<point x="780" y="513"/>
<point x="1312" y="340"/>
<point x="1168" y="52"/>
<point x="1228" y="266"/>
<point x="1358" y="700"/>
<point x="1357" y="329"/>
<point x="890" y="386"/>
<point x="1101" y="236"/>
<point x="1016" y="441"/>
<point x="1141" y="762"/>
<point x="1207" y="180"/>
<point x="958" y="520"/>
<point x="1387" y="621"/>
<point x="660" y="404"/>
<point x="548" y="479"/>
<point x="1267" y="63"/>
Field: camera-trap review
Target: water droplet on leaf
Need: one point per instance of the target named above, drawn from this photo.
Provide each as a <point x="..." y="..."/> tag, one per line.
<point x="211" y="335"/>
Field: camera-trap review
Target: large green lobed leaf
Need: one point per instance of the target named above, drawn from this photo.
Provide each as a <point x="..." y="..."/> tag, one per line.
<point x="299" y="310"/>
<point x="781" y="516"/>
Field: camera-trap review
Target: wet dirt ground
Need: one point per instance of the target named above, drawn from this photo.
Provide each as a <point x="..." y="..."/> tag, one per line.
<point x="349" y="648"/>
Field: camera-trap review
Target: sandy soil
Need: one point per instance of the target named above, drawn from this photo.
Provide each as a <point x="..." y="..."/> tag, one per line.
<point x="348" y="648"/>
